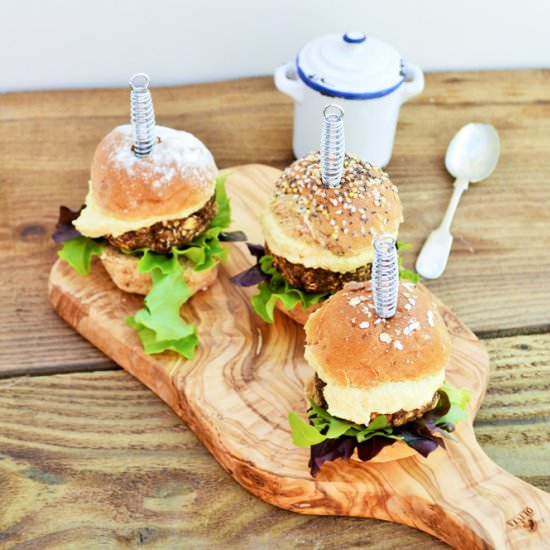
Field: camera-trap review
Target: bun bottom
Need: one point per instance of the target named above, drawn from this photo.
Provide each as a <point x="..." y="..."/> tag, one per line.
<point x="396" y="451"/>
<point x="298" y="313"/>
<point x="122" y="269"/>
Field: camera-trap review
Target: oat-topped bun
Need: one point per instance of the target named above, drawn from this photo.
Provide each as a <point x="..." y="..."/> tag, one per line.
<point x="128" y="193"/>
<point x="333" y="229"/>
<point x="368" y="366"/>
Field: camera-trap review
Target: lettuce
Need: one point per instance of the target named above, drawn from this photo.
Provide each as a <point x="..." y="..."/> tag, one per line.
<point x="405" y="273"/>
<point x="276" y="288"/>
<point x="330" y="437"/>
<point x="159" y="324"/>
<point x="272" y="287"/>
<point x="78" y="252"/>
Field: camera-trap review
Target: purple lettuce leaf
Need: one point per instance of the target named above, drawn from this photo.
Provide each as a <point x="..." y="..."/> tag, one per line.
<point x="443" y="406"/>
<point x="329" y="450"/>
<point x="421" y="444"/>
<point x="64" y="229"/>
<point x="370" y="448"/>
<point x="232" y="236"/>
<point x="257" y="250"/>
<point x="252" y="276"/>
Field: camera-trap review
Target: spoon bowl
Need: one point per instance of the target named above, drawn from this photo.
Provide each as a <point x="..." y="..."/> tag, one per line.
<point x="473" y="152"/>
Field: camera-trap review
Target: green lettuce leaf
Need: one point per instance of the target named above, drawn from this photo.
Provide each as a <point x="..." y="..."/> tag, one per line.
<point x="459" y="398"/>
<point x="206" y="249"/>
<point x="78" y="253"/>
<point x="277" y="289"/>
<point x="405" y="273"/>
<point x="159" y="324"/>
<point x="303" y="434"/>
<point x="327" y="426"/>
<point x="222" y="219"/>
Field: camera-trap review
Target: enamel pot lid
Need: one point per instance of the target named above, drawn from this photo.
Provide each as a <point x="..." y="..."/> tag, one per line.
<point x="351" y="66"/>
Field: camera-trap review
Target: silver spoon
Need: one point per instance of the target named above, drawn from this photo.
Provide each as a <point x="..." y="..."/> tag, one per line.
<point x="471" y="156"/>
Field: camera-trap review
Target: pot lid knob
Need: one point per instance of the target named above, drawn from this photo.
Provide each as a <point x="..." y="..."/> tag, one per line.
<point x="354" y="37"/>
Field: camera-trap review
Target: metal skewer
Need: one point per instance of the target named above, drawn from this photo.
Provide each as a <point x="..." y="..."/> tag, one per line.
<point x="142" y="115"/>
<point x="333" y="146"/>
<point x="385" y="276"/>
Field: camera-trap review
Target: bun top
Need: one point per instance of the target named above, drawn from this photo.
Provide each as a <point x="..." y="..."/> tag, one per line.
<point x="127" y="193"/>
<point x="342" y="221"/>
<point x="349" y="345"/>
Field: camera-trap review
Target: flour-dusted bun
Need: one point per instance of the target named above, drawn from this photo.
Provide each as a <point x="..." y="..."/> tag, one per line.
<point x="123" y="271"/>
<point x="330" y="228"/>
<point x="371" y="365"/>
<point x="128" y="193"/>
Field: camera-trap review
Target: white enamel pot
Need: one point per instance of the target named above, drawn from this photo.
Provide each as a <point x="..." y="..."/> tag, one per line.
<point x="365" y="76"/>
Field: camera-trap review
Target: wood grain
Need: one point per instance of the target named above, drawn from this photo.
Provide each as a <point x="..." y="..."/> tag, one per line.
<point x="96" y="460"/>
<point x="502" y="229"/>
<point x="106" y="464"/>
<point x="237" y="392"/>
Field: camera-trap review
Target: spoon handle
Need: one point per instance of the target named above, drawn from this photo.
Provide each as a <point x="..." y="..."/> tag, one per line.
<point x="432" y="260"/>
<point x="460" y="186"/>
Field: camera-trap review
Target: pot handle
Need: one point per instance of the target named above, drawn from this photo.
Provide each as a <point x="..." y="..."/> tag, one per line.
<point x="288" y="85"/>
<point x="414" y="83"/>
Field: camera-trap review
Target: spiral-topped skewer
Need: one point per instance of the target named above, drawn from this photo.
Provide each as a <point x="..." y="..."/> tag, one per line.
<point x="333" y="146"/>
<point x="142" y="115"/>
<point x="385" y="276"/>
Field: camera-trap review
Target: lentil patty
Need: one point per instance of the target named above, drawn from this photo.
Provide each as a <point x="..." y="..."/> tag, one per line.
<point x="317" y="279"/>
<point x="396" y="419"/>
<point x="162" y="236"/>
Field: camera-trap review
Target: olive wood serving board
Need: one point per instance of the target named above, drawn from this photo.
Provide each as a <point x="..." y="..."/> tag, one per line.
<point x="246" y="377"/>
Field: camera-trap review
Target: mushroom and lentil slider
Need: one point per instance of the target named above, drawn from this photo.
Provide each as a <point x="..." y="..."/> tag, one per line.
<point x="319" y="238"/>
<point x="159" y="202"/>
<point x="155" y="214"/>
<point x="379" y="386"/>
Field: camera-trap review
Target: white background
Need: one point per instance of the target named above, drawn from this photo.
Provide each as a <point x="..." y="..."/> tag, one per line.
<point x="48" y="44"/>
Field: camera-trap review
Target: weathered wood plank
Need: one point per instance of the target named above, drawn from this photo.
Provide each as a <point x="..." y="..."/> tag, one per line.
<point x="97" y="459"/>
<point x="502" y="228"/>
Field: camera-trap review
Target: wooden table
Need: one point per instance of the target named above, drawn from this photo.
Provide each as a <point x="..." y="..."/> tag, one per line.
<point x="88" y="457"/>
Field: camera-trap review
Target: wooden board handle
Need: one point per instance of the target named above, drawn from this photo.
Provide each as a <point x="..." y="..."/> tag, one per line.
<point x="500" y="510"/>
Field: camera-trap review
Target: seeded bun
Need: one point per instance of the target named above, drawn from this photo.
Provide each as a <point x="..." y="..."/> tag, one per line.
<point x="128" y="193"/>
<point x="123" y="271"/>
<point x="372" y="365"/>
<point x="330" y="228"/>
